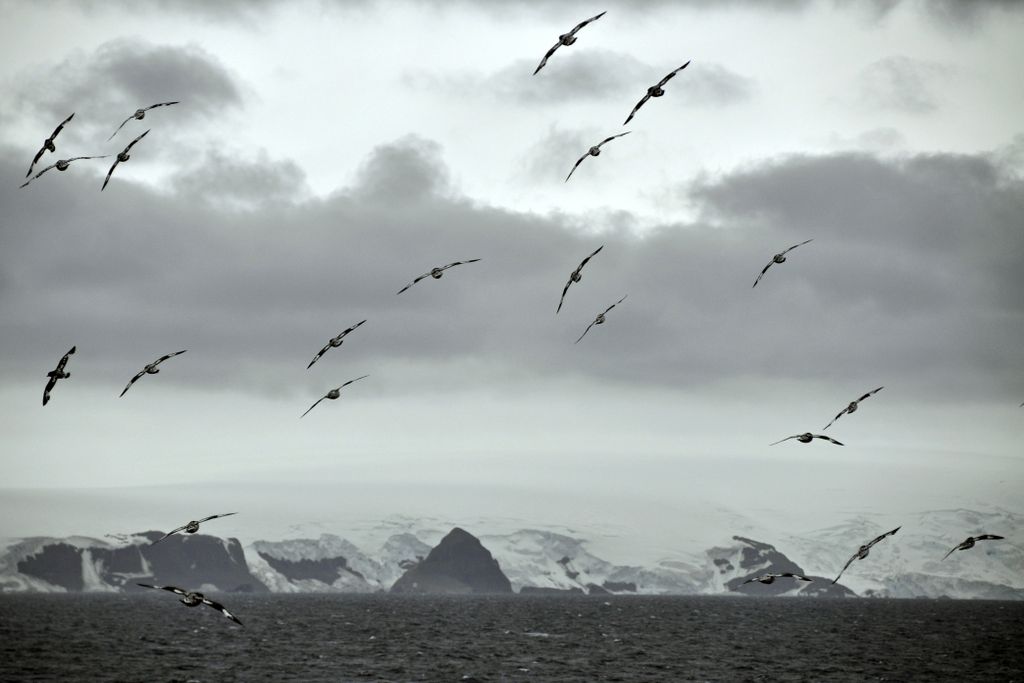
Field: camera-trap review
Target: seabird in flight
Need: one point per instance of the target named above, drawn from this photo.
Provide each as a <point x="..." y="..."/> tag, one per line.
<point x="139" y="114"/>
<point x="333" y="343"/>
<point x="123" y="156"/>
<point x="863" y="551"/>
<point x="593" y="152"/>
<point x="852" y="408"/>
<point x="436" y="273"/>
<point x="779" y="258"/>
<point x="56" y="374"/>
<point x="576" y="276"/>
<point x="971" y="540"/>
<point x="332" y="394"/>
<point x="599" y="320"/>
<point x="566" y="39"/>
<point x="654" y="91"/>
<point x="770" y="578"/>
<point x="151" y="369"/>
<point x="807" y="437"/>
<point x="48" y="144"/>
<point x="192" y="527"/>
<point x="193" y="598"/>
<point x="61" y="165"/>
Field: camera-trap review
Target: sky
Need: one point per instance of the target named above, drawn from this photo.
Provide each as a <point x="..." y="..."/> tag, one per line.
<point x="324" y="154"/>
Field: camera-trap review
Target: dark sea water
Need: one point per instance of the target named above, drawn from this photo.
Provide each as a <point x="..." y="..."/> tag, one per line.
<point x="517" y="638"/>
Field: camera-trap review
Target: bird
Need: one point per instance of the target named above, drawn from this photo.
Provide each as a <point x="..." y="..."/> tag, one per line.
<point x="332" y="394"/>
<point x="48" y="144"/>
<point x="654" y="91"/>
<point x="333" y="343"/>
<point x="971" y="540"/>
<point x="56" y="374"/>
<point x="807" y="437"/>
<point x="566" y="39"/>
<point x="436" y="273"/>
<point x="770" y="578"/>
<point x="779" y="258"/>
<point x="852" y="408"/>
<point x="194" y="598"/>
<point x="151" y="369"/>
<point x="863" y="551"/>
<point x="123" y="156"/>
<point x="192" y="527"/>
<point x="139" y="114"/>
<point x="61" y="165"/>
<point x="576" y="276"/>
<point x="593" y="152"/>
<point x="599" y="320"/>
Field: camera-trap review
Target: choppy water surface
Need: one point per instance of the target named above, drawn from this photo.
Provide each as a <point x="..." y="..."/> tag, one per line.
<point x="516" y="638"/>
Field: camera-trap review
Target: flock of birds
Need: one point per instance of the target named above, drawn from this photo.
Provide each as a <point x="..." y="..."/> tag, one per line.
<point x="193" y="598"/>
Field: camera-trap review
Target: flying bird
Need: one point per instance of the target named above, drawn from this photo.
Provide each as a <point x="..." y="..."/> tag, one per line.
<point x="599" y="320"/>
<point x="807" y="437"/>
<point x="779" y="258"/>
<point x="770" y="578"/>
<point x="654" y="91"/>
<point x="61" y="165"/>
<point x="576" y="276"/>
<point x="151" y="369"/>
<point x="971" y="540"/>
<point x="566" y="39"/>
<point x="193" y="598"/>
<point x="332" y="394"/>
<point x="123" y="156"/>
<point x="436" y="273"/>
<point x="593" y="152"/>
<point x="48" y="144"/>
<point x="139" y="114"/>
<point x="192" y="527"/>
<point x="863" y="551"/>
<point x="56" y="374"/>
<point x="852" y="408"/>
<point x="333" y="343"/>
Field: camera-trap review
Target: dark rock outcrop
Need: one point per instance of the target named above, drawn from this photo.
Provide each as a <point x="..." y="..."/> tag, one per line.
<point x="619" y="586"/>
<point x="545" y="590"/>
<point x="762" y="558"/>
<point x="458" y="564"/>
<point x="326" y="569"/>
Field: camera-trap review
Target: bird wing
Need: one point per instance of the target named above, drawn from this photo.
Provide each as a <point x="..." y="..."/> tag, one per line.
<point x="988" y="537"/>
<point x="35" y="160"/>
<point x="873" y="391"/>
<point x="615" y="304"/>
<point x="169" y="533"/>
<point x="836" y="418"/>
<point x="39" y="174"/>
<point x="352" y="380"/>
<point x="161" y="104"/>
<point x="312" y="406"/>
<point x="798" y="577"/>
<point x="207" y="519"/>
<point x="60" y="127"/>
<point x="546" y="57"/>
<point x="798" y="245"/>
<point x="763" y="272"/>
<point x="786" y="439"/>
<point x="584" y="261"/>
<point x="613" y="137"/>
<point x="574" y="166"/>
<point x="887" y="533"/>
<point x="64" y="360"/>
<point x="639" y="104"/>
<point x="846" y="566"/>
<point x="413" y="282"/>
<point x="222" y="609"/>
<point x="458" y="263"/>
<point x="957" y="547"/>
<point x="133" y="381"/>
<point x="320" y="353"/>
<point x="161" y="359"/>
<point x="562" y="300"/>
<point x="110" y="173"/>
<point x="829" y="438"/>
<point x="120" y="127"/>
<point x="585" y="332"/>
<point x="671" y="74"/>
<point x="50" y="384"/>
<point x="583" y="23"/>
<point x="756" y="578"/>
<point x="351" y="329"/>
<point x="132" y="143"/>
<point x="172" y="589"/>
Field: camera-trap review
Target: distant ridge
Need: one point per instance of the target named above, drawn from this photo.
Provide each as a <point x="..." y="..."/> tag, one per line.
<point x="458" y="564"/>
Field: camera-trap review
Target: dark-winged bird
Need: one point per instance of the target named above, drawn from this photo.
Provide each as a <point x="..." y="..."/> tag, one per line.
<point x="194" y="598"/>
<point x="48" y="144"/>
<point x="56" y="374"/>
<point x="61" y="165"/>
<point x="863" y="551"/>
<point x="654" y="91"/>
<point x="576" y="276"/>
<point x="770" y="578"/>
<point x="565" y="39"/>
<point x="151" y="369"/>
<point x="123" y="156"/>
<point x="807" y="437"/>
<point x="852" y="408"/>
<point x="599" y="320"/>
<point x="332" y="394"/>
<point x="333" y="343"/>
<point x="139" y="114"/>
<point x="971" y="540"/>
<point x="779" y="258"/>
<point x="436" y="273"/>
<point x="593" y="152"/>
<point x="192" y="527"/>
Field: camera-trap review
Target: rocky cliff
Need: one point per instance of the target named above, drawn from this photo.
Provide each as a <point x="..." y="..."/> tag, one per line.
<point x="458" y="564"/>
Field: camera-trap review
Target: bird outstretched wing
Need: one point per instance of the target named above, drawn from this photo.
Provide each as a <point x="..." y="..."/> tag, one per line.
<point x="169" y="533"/>
<point x="222" y="609"/>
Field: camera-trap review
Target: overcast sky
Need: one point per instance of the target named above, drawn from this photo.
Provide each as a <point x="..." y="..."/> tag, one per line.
<point x="326" y="153"/>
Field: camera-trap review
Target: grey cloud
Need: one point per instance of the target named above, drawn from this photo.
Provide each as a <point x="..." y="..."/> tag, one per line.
<point x="234" y="182"/>
<point x="914" y="278"/>
<point x="900" y="83"/>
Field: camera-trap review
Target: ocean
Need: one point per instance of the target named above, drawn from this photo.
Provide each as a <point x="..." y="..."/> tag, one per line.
<point x="153" y="638"/>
